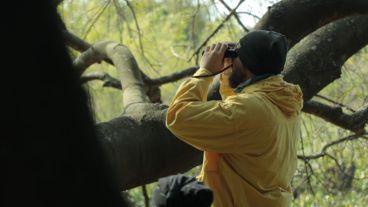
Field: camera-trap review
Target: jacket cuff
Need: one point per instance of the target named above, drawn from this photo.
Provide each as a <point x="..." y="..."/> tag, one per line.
<point x="202" y="71"/>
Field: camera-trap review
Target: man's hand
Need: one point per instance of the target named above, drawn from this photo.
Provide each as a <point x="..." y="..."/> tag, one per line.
<point x="213" y="57"/>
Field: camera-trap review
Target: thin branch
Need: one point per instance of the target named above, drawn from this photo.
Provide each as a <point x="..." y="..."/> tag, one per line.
<point x="329" y="145"/>
<point x="249" y="14"/>
<point x="173" y="52"/>
<point x="235" y="15"/>
<point x="119" y="10"/>
<point x="196" y="52"/>
<point x="96" y="18"/>
<point x="309" y="177"/>
<point x="121" y="18"/>
<point x="354" y="122"/>
<point x="136" y="26"/>
<point x="173" y="77"/>
<point x="145" y="195"/>
<point x="130" y="6"/>
<point x="193" y="37"/>
<point x="335" y="102"/>
<point x="108" y="81"/>
<point x="306" y="164"/>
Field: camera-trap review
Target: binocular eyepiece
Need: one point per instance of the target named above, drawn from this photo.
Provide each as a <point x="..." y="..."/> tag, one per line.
<point x="230" y="52"/>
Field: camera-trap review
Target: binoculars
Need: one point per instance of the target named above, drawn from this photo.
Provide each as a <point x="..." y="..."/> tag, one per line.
<point x="230" y="52"/>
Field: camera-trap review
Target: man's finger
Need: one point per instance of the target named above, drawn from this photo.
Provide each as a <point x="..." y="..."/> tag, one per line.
<point x="213" y="46"/>
<point x="223" y="48"/>
<point x="218" y="46"/>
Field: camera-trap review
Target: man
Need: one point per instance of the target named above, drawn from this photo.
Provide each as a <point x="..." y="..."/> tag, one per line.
<point x="250" y="137"/>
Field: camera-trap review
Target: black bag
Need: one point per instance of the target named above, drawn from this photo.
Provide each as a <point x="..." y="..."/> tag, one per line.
<point x="181" y="190"/>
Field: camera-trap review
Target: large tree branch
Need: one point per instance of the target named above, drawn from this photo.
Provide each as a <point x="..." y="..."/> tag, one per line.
<point x="142" y="149"/>
<point x="109" y="81"/>
<point x="89" y="57"/>
<point x="80" y="45"/>
<point x="296" y="18"/>
<point x="317" y="60"/>
<point x="125" y="63"/>
<point x="130" y="74"/>
<point x="354" y="122"/>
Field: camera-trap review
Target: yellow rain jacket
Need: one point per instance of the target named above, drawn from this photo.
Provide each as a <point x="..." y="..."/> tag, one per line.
<point x="249" y="139"/>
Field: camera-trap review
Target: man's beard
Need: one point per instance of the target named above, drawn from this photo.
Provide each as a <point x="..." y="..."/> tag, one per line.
<point x="235" y="78"/>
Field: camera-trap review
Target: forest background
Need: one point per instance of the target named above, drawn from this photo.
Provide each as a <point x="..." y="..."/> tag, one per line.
<point x="164" y="36"/>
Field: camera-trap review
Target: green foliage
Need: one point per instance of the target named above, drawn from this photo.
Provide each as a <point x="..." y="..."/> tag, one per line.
<point x="167" y="35"/>
<point x="328" y="180"/>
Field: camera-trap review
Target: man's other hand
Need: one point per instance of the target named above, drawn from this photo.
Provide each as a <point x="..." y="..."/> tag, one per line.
<point x="213" y="57"/>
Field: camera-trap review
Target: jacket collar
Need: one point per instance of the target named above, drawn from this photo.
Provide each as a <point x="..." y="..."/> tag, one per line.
<point x="254" y="79"/>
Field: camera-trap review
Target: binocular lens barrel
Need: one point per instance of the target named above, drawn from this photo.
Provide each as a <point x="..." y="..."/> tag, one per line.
<point x="229" y="53"/>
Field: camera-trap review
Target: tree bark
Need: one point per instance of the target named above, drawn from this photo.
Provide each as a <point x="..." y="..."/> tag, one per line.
<point x="354" y="122"/>
<point x="296" y="18"/>
<point x="317" y="60"/>
<point x="138" y="145"/>
<point x="142" y="150"/>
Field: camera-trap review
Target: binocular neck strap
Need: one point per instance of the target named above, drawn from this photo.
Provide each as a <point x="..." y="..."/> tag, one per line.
<point x="213" y="74"/>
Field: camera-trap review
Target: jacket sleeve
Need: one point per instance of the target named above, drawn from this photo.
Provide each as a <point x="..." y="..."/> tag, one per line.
<point x="206" y="125"/>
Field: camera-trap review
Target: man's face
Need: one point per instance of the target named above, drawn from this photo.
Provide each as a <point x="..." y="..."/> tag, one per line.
<point x="237" y="76"/>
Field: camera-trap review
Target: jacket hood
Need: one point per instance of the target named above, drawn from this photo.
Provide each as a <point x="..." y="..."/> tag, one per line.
<point x="286" y="96"/>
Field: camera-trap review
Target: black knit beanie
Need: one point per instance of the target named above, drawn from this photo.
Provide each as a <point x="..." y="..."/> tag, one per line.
<point x="263" y="51"/>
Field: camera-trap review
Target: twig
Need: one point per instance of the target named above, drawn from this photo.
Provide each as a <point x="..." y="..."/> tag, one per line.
<point x="250" y="14"/>
<point x="96" y="19"/>
<point x="145" y="195"/>
<point x="175" y="53"/>
<point x="328" y="145"/>
<point x="306" y="164"/>
<point x="173" y="77"/>
<point x="121" y="17"/>
<point x="130" y="6"/>
<point x="136" y="26"/>
<point x="108" y="81"/>
<point x="192" y="36"/>
<point x="235" y="15"/>
<point x="335" y="102"/>
<point x="196" y="52"/>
